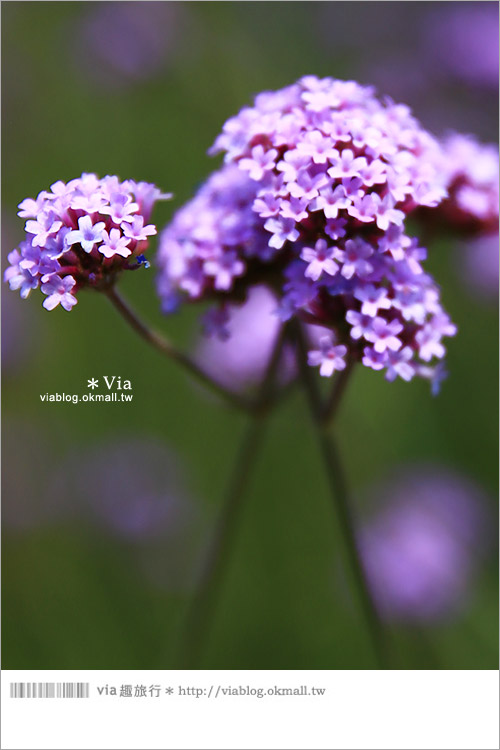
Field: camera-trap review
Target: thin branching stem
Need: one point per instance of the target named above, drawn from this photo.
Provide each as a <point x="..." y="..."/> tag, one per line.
<point x="340" y="383"/>
<point x="203" y="606"/>
<point x="165" y="347"/>
<point x="340" y="495"/>
<point x="202" y="609"/>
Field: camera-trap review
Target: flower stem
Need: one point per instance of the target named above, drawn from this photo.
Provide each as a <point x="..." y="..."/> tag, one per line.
<point x="164" y="346"/>
<point x="202" y="609"/>
<point x="340" y="495"/>
<point x="340" y="383"/>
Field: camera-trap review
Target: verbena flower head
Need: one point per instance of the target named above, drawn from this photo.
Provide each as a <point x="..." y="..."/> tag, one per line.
<point x="210" y="244"/>
<point x="313" y="200"/>
<point x="81" y="234"/>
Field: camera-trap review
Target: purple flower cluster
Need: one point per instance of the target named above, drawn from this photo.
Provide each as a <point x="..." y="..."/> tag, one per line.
<point x="210" y="244"/>
<point x="81" y="234"/>
<point x="471" y="171"/>
<point x="319" y="180"/>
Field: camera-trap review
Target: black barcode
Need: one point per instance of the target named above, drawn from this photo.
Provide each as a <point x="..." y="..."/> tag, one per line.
<point x="49" y="689"/>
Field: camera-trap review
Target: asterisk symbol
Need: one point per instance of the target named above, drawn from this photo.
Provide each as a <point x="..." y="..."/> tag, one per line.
<point x="92" y="383"/>
<point x="169" y="691"/>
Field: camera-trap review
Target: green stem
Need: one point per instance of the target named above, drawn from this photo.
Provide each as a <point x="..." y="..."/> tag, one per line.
<point x="342" y="501"/>
<point x="165" y="347"/>
<point x="341" y="381"/>
<point x="202" y="609"/>
<point x="203" y="606"/>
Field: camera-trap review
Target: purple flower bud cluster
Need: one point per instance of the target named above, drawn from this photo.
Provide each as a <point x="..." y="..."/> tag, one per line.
<point x="81" y="234"/>
<point x="313" y="200"/>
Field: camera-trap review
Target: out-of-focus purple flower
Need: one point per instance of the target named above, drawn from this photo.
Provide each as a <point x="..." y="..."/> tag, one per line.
<point x="219" y="220"/>
<point x="122" y="43"/>
<point x="215" y="323"/>
<point x="422" y="547"/>
<point x="131" y="486"/>
<point x="472" y="173"/>
<point x="319" y="180"/>
<point x="240" y="358"/>
<point x="456" y="64"/>
<point x="133" y="489"/>
<point x="224" y="269"/>
<point x="479" y="266"/>
<point x="242" y="341"/>
<point x="80" y="234"/>
<point x="30" y="499"/>
<point x="463" y="38"/>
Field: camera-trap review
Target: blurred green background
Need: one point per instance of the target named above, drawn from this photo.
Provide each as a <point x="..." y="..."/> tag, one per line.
<point x="78" y="97"/>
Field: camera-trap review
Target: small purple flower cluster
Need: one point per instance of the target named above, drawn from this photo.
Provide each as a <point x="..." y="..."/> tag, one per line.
<point x="210" y="242"/>
<point x="312" y="201"/>
<point x="81" y="234"/>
